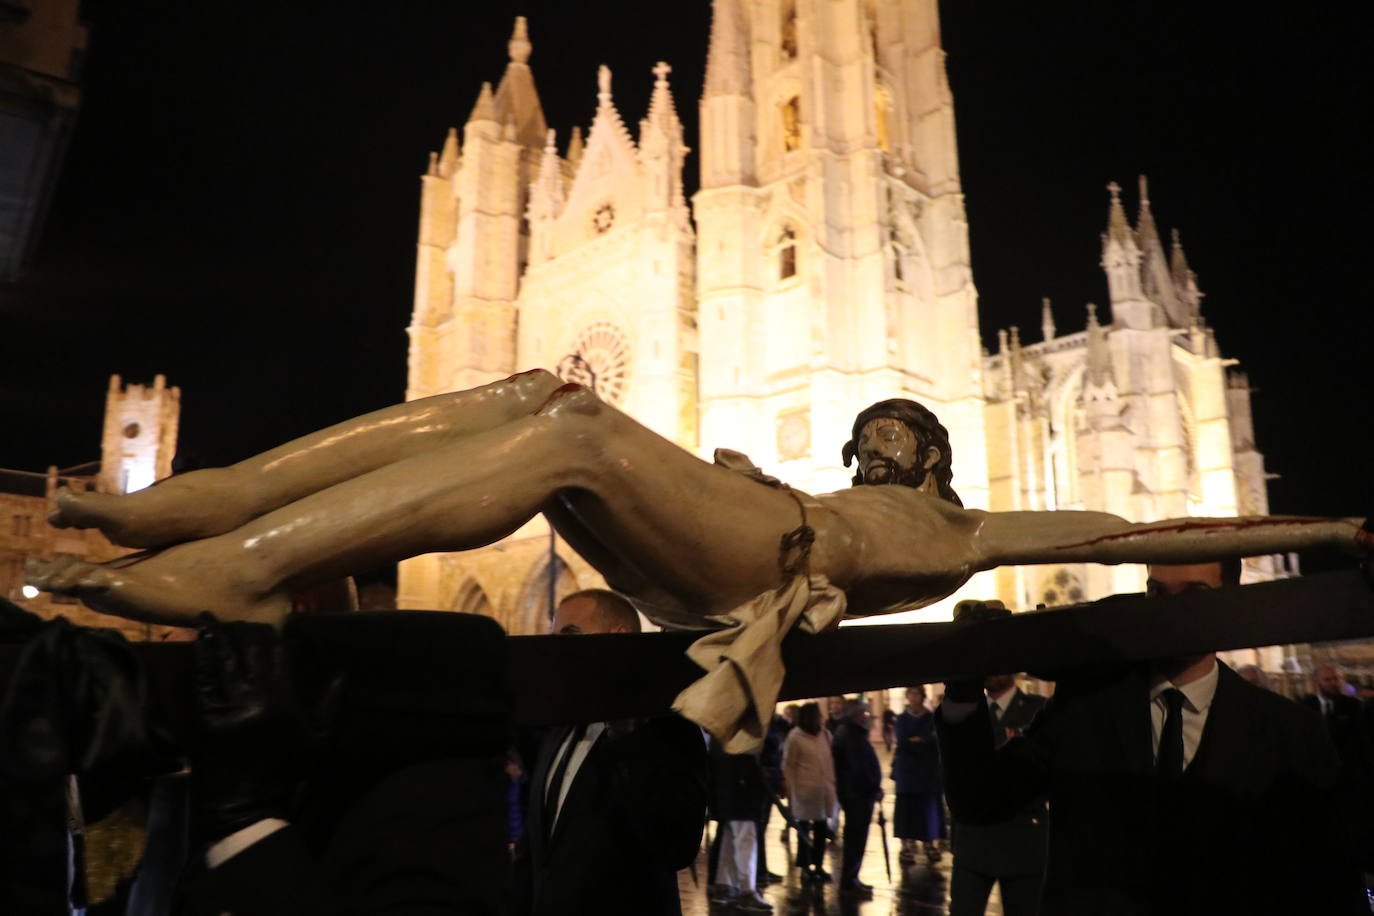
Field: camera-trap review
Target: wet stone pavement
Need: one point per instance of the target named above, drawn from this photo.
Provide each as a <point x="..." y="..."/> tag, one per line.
<point x="918" y="890"/>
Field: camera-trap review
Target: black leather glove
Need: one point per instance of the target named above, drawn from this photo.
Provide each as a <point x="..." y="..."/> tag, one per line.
<point x="249" y="737"/>
<point x="968" y="613"/>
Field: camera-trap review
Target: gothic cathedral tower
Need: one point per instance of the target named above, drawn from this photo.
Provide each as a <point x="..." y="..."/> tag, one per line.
<point x="833" y="263"/>
<point x="580" y="262"/>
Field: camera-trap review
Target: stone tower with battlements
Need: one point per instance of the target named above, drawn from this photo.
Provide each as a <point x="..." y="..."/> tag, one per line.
<point x="140" y="436"/>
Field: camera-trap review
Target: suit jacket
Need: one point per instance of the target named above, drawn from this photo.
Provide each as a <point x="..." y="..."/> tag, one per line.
<point x="1019" y="844"/>
<point x="631" y="819"/>
<point x="738" y="791"/>
<point x="427" y="839"/>
<point x="1122" y="842"/>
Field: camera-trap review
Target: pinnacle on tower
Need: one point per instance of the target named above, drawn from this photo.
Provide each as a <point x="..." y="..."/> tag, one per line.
<point x="516" y="100"/>
<point x="546" y="191"/>
<point x="1099" y="359"/>
<point x="519" y="45"/>
<point x="1118" y="230"/>
<point x="1178" y="263"/>
<point x="662" y="111"/>
<point x="1145" y="229"/>
<point x="1046" y="319"/>
<point x="727" y="55"/>
<point x="485" y="109"/>
<point x="448" y="156"/>
<point x="575" y="148"/>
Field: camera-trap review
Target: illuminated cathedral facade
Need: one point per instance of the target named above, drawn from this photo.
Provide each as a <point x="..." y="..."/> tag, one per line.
<point x="822" y="265"/>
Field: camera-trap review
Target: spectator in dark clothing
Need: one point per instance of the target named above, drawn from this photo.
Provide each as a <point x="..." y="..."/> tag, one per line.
<point x="515" y="799"/>
<point x="919" y="815"/>
<point x="859" y="784"/>
<point x="889" y="728"/>
<point x="738" y="797"/>
<point x="834" y="715"/>
<point x="771" y="761"/>
<point x="1345" y="721"/>
<point x="615" y="808"/>
<point x="1011" y="853"/>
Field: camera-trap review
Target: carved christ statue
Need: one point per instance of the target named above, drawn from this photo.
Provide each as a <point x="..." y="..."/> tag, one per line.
<point x="690" y="541"/>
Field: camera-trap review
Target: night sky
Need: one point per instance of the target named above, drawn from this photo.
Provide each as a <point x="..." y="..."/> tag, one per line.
<point x="238" y="209"/>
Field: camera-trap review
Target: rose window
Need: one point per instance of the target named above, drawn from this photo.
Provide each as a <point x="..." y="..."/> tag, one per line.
<point x="600" y="359"/>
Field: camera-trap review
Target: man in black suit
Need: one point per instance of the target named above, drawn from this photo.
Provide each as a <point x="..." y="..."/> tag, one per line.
<point x="859" y="785"/>
<point x="1347" y="723"/>
<point x="1012" y="851"/>
<point x="615" y="808"/>
<point x="399" y="806"/>
<point x="1167" y="785"/>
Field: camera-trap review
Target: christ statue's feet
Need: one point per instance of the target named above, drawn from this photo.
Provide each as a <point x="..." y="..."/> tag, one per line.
<point x="166" y="513"/>
<point x="157" y="588"/>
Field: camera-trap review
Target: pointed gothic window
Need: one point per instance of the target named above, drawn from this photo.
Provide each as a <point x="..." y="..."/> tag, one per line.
<point x="791" y="125"/>
<point x="787" y="254"/>
<point x="788" y="41"/>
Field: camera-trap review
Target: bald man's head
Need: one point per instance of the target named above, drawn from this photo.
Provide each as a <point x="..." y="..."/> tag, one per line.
<point x="594" y="610"/>
<point x="1330" y="682"/>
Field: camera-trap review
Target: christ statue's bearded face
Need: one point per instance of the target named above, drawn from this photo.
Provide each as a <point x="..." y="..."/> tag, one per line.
<point x="890" y="452"/>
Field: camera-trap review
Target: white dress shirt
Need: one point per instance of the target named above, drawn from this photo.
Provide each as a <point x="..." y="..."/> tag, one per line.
<point x="579" y="754"/>
<point x="1001" y="704"/>
<point x="1197" y="701"/>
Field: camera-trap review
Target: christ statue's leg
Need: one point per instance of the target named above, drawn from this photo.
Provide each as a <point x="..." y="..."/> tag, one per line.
<point x="695" y="529"/>
<point x="209" y="502"/>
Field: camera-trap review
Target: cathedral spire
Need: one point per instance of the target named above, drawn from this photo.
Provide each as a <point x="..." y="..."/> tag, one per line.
<point x="1118" y="230"/>
<point x="546" y="191"/>
<point x="1185" y="282"/>
<point x="1046" y="319"/>
<point x="516" y="101"/>
<point x="662" y="112"/>
<point x="519" y="46"/>
<point x="1122" y="262"/>
<point x="1155" y="281"/>
<point x="727" y="56"/>
<point x="727" y="101"/>
<point x="575" y="148"/>
<point x="1178" y="263"/>
<point x="1147" y="235"/>
<point x="447" y="162"/>
<point x="485" y="109"/>
<point x="660" y="146"/>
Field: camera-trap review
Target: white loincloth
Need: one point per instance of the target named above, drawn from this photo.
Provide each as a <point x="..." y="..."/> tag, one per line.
<point x="734" y="700"/>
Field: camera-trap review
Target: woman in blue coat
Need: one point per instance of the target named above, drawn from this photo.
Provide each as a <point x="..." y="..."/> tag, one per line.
<point x="920" y="812"/>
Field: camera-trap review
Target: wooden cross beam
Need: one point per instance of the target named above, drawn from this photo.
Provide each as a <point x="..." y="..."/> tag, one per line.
<point x="561" y="679"/>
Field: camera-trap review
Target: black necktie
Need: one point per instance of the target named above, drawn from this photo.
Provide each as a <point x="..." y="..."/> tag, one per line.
<point x="1170" y="762"/>
<point x="559" y="772"/>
